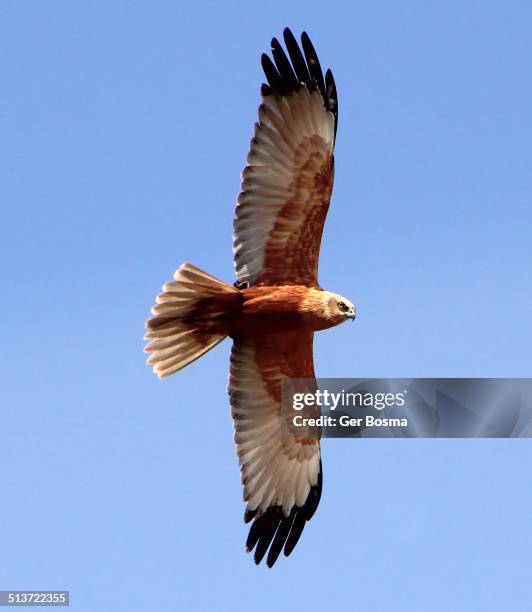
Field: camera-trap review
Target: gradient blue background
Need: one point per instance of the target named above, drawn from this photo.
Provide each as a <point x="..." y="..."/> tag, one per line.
<point x="124" y="127"/>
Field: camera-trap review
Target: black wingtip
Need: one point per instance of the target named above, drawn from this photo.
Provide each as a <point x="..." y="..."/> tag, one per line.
<point x="274" y="531"/>
<point x="280" y="538"/>
<point x="249" y="514"/>
<point x="295" y="533"/>
<point x="313" y="64"/>
<point x="300" y="68"/>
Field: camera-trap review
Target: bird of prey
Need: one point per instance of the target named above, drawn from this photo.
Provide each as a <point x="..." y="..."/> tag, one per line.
<point x="276" y="304"/>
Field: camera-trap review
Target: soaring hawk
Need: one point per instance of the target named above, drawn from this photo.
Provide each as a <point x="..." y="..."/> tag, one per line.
<point x="276" y="303"/>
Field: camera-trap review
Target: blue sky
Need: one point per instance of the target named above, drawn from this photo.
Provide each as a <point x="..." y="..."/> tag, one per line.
<point x="124" y="130"/>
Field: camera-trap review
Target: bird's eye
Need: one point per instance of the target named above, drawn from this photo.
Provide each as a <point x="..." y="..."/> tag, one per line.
<point x="343" y="307"/>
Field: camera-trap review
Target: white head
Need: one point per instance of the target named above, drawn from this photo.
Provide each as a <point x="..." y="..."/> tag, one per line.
<point x="332" y="309"/>
<point x="323" y="309"/>
<point x="340" y="308"/>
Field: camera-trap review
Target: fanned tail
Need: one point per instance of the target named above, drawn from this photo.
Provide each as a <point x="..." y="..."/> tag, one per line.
<point x="190" y="318"/>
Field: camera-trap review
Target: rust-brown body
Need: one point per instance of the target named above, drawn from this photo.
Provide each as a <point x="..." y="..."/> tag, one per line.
<point x="283" y="307"/>
<point x="269" y="310"/>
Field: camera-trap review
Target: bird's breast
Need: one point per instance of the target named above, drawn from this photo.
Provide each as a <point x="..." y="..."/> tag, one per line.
<point x="271" y="309"/>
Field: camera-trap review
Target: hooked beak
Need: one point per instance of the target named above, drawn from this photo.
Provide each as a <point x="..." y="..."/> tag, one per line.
<point x="352" y="316"/>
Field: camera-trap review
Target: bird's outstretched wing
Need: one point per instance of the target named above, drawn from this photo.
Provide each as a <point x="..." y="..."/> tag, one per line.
<point x="281" y="473"/>
<point x="287" y="184"/>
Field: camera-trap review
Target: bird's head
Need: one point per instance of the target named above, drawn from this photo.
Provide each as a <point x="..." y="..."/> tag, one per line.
<point x="322" y="309"/>
<point x="339" y="308"/>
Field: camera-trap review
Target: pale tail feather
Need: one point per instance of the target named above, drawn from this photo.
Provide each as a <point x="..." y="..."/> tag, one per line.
<point x="186" y="319"/>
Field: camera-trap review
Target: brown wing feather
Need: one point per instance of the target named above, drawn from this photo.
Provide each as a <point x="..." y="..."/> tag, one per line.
<point x="281" y="473"/>
<point x="288" y="181"/>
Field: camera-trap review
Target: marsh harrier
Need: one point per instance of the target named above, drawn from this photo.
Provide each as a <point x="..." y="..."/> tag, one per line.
<point x="276" y="303"/>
